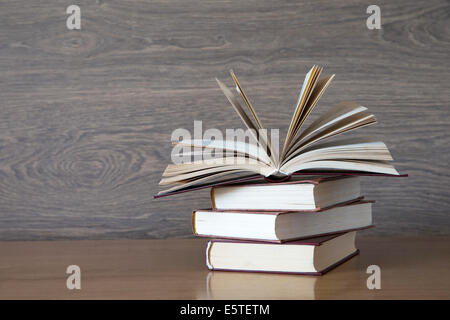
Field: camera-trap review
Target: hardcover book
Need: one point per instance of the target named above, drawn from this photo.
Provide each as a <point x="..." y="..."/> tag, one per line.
<point x="282" y="226"/>
<point x="314" y="256"/>
<point x="311" y="194"/>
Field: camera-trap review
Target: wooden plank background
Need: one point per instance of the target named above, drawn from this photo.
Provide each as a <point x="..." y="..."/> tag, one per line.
<point x="86" y="116"/>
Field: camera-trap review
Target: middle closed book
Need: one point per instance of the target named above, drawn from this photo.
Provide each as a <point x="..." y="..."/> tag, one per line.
<point x="281" y="226"/>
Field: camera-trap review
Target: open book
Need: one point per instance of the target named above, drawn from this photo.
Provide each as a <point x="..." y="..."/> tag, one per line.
<point x="302" y="151"/>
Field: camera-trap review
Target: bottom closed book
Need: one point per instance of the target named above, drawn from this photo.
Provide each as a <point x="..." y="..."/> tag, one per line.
<point x="314" y="256"/>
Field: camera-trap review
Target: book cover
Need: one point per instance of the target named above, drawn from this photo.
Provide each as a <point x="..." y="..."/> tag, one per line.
<point x="312" y="241"/>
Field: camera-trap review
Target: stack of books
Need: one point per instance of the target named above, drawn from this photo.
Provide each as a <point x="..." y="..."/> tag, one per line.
<point x="292" y="210"/>
<point x="301" y="226"/>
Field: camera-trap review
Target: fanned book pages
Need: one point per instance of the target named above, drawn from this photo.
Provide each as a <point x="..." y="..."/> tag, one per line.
<point x="304" y="149"/>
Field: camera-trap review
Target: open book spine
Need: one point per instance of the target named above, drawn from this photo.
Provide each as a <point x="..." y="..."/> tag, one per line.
<point x="252" y="178"/>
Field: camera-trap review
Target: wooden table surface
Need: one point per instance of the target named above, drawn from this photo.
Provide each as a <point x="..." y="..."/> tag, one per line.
<point x="411" y="268"/>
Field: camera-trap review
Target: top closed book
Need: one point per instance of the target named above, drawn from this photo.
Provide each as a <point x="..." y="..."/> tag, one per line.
<point x="311" y="194"/>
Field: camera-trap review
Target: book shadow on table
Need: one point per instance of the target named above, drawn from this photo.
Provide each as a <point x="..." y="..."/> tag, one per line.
<point x="248" y="285"/>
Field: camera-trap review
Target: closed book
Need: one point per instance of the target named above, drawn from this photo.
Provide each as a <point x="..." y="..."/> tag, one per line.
<point x="314" y="256"/>
<point x="310" y="194"/>
<point x="283" y="225"/>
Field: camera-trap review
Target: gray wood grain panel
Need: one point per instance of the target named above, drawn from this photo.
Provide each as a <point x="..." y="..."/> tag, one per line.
<point x="86" y="116"/>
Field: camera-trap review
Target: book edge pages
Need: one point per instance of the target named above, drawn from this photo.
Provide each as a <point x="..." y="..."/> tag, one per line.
<point x="355" y="201"/>
<point x="215" y="238"/>
<point x="320" y="273"/>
